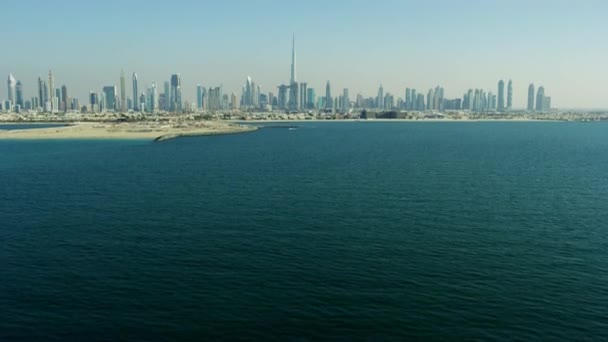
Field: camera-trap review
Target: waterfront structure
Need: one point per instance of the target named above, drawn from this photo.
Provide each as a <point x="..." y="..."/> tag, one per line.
<point x="510" y="96"/>
<point x="531" y="97"/>
<point x="501" y="96"/>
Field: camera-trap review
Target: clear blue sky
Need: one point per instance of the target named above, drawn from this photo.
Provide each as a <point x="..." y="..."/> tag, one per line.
<point x="356" y="44"/>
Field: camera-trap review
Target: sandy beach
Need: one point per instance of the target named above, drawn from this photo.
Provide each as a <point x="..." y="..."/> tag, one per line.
<point x="139" y="130"/>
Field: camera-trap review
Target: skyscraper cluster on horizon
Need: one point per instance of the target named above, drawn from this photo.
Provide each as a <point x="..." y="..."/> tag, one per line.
<point x="293" y="97"/>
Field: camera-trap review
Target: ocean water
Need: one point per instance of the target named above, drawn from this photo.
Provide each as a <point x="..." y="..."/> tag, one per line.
<point x="333" y="231"/>
<point x="14" y="126"/>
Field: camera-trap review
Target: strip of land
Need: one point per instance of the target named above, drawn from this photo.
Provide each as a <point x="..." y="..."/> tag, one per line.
<point x="126" y="130"/>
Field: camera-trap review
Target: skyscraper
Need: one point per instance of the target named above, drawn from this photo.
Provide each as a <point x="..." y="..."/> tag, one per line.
<point x="152" y="98"/>
<point x="11" y="90"/>
<point x="109" y="93"/>
<point x="41" y="87"/>
<point x="531" y="97"/>
<point x="310" y="98"/>
<point x="64" y="98"/>
<point x="345" y="100"/>
<point x="328" y="100"/>
<point x="167" y="92"/>
<point x="540" y="99"/>
<point x="380" y="98"/>
<point x="293" y="60"/>
<point x="176" y="93"/>
<point x="510" y="95"/>
<point x="199" y="97"/>
<point x="135" y="94"/>
<point x="19" y="94"/>
<point x="51" y="99"/>
<point x="501" y="96"/>
<point x="303" y="95"/>
<point x="123" y="92"/>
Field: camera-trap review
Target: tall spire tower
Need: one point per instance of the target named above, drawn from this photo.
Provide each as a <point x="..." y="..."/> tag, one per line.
<point x="293" y="60"/>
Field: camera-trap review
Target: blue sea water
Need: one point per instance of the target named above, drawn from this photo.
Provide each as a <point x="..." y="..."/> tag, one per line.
<point x="333" y="231"/>
<point x="15" y="126"/>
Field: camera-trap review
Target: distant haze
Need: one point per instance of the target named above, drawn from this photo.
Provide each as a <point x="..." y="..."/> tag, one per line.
<point x="354" y="44"/>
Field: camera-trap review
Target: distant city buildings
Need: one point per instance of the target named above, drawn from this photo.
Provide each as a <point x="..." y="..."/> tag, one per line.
<point x="295" y="96"/>
<point x="531" y="97"/>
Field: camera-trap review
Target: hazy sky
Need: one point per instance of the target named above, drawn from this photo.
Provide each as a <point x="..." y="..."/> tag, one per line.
<point x="560" y="44"/>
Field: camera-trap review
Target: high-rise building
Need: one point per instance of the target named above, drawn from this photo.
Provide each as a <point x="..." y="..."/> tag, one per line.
<point x="11" y="90"/>
<point x="41" y="87"/>
<point x="199" y="96"/>
<point x="123" y="92"/>
<point x="293" y="61"/>
<point x="310" y="98"/>
<point x="294" y="97"/>
<point x="429" y="99"/>
<point x="408" y="99"/>
<point x="51" y="99"/>
<point x="510" y="96"/>
<point x="176" y="93"/>
<point x="540" y="99"/>
<point x="135" y="93"/>
<point x="303" y="95"/>
<point x="345" y="100"/>
<point x="328" y="100"/>
<point x="501" y="96"/>
<point x="282" y="97"/>
<point x="64" y="98"/>
<point x="19" y="94"/>
<point x="380" y="98"/>
<point x="94" y="102"/>
<point x="110" y="95"/>
<point x="167" y="92"/>
<point x="142" y="102"/>
<point x="531" y="97"/>
<point x="152" y="97"/>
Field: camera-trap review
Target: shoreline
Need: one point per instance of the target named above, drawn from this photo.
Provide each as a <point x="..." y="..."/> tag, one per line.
<point x="396" y="120"/>
<point x="124" y="131"/>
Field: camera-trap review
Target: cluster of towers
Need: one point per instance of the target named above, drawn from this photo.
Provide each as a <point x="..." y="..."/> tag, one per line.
<point x="293" y="97"/>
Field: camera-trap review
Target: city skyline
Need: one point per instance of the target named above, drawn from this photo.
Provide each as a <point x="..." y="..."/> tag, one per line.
<point x="437" y="54"/>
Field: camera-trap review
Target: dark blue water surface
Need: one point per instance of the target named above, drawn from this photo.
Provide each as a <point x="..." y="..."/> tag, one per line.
<point x="20" y="126"/>
<point x="333" y="231"/>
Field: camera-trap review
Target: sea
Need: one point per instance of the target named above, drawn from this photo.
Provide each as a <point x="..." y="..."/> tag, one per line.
<point x="348" y="231"/>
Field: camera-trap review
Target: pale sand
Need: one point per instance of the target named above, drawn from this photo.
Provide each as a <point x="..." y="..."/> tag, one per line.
<point x="148" y="131"/>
